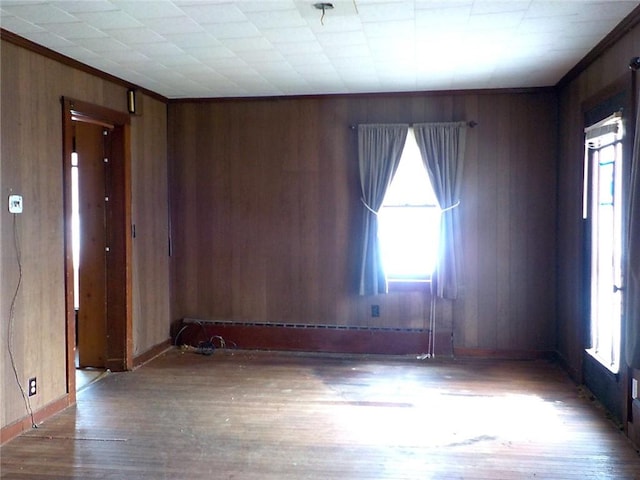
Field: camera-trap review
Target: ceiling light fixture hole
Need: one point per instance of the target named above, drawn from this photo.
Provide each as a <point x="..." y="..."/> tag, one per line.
<point x="323" y="6"/>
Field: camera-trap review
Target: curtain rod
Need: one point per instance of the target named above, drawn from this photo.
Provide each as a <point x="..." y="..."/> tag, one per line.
<point x="470" y="124"/>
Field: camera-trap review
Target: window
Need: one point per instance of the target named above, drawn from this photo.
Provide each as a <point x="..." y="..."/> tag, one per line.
<point x="603" y="208"/>
<point x="75" y="229"/>
<point x="409" y="220"/>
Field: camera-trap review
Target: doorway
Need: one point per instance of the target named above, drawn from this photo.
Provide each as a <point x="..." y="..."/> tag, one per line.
<point x="89" y="173"/>
<point x="97" y="241"/>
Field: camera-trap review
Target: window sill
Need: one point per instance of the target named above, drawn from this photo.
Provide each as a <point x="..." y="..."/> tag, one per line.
<point x="409" y="285"/>
<point x="602" y="362"/>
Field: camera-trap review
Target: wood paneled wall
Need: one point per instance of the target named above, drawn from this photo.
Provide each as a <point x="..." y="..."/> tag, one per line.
<point x="266" y="214"/>
<point x="31" y="165"/>
<point x="599" y="76"/>
<point x="150" y="224"/>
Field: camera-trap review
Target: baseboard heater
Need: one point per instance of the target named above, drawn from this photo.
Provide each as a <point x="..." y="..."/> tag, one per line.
<point x="311" y="337"/>
<point x="235" y="323"/>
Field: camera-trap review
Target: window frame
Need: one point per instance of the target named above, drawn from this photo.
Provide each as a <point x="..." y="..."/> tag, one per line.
<point x="398" y="283"/>
<point x="591" y="213"/>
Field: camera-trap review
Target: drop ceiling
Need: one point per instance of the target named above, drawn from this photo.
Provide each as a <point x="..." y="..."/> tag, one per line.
<point x="205" y="48"/>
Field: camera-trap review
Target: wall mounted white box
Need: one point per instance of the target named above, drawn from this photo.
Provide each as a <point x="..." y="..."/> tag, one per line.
<point x="15" y="203"/>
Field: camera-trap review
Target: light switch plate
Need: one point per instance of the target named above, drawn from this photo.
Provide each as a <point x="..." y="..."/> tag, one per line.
<point x="15" y="203"/>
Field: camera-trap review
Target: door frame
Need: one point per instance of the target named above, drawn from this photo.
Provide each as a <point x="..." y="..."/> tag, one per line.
<point x="119" y="351"/>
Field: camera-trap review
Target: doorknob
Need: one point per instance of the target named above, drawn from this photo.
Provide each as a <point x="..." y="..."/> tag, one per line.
<point x="617" y="289"/>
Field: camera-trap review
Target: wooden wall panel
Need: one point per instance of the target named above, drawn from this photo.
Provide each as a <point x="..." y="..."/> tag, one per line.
<point x="150" y="219"/>
<point x="285" y="195"/>
<point x="31" y="165"/>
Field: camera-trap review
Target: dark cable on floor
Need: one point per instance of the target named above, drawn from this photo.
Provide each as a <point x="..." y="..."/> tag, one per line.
<point x="12" y="310"/>
<point x="204" y="347"/>
<point x="175" y="342"/>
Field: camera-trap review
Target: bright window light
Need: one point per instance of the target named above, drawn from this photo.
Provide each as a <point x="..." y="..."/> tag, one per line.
<point x="75" y="227"/>
<point x="409" y="220"/>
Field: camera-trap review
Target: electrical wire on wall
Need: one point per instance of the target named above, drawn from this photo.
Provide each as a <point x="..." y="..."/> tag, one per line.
<point x="12" y="311"/>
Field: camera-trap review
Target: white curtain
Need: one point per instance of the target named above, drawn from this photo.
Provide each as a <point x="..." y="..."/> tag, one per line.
<point x="442" y="147"/>
<point x="632" y="284"/>
<point x="379" y="151"/>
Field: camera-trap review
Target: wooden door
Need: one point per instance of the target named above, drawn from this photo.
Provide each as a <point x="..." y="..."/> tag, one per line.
<point x="90" y="146"/>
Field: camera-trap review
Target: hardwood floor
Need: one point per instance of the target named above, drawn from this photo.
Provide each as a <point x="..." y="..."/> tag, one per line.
<point x="263" y="415"/>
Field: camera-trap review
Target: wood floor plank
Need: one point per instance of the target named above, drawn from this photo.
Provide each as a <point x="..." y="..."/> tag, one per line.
<point x="288" y="416"/>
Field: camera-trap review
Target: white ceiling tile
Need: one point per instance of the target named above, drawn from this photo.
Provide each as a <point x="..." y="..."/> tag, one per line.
<point x="544" y="25"/>
<point x="229" y="66"/>
<point x="232" y="30"/>
<point x="553" y="9"/>
<point x="204" y="75"/>
<point x="605" y="10"/>
<point x="81" y="54"/>
<point x="498" y="7"/>
<point x="75" y="30"/>
<point x="390" y="30"/>
<point x="40" y="13"/>
<point x="247" y="44"/>
<point x="192" y="40"/>
<point x="258" y="57"/>
<point x="357" y="53"/>
<point x="109" y="66"/>
<point x="172" y="25"/>
<point x="214" y="13"/>
<point x="249" y="6"/>
<point x="310" y="70"/>
<point x="444" y="5"/>
<point x="388" y="11"/>
<point x="492" y="21"/>
<point x="277" y="19"/>
<point x="287" y="34"/>
<point x="299" y="48"/>
<point x="109" y="19"/>
<point x="84" y="6"/>
<point x="135" y="36"/>
<point x="149" y="9"/>
<point x="444" y="18"/>
<point x="104" y="45"/>
<point x="277" y="72"/>
<point x="160" y="49"/>
<point x="179" y="62"/>
<point x="17" y="25"/>
<point x="191" y="48"/>
<point x="48" y="40"/>
<point x="301" y="59"/>
<point x="128" y="58"/>
<point x="208" y="53"/>
<point x="340" y="40"/>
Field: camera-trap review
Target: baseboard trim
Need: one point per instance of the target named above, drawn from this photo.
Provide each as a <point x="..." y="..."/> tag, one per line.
<point x="20" y="426"/>
<point x="312" y="338"/>
<point x="504" y="354"/>
<point x="152" y="353"/>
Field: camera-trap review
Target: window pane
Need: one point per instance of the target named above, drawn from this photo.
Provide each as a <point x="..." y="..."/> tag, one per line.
<point x="411" y="184"/>
<point x="606" y="235"/>
<point x="409" y="221"/>
<point x="409" y="241"/>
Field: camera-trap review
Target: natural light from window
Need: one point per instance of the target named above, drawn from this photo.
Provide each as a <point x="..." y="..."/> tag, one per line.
<point x="409" y="220"/>
<point x="605" y="212"/>
<point x="75" y="228"/>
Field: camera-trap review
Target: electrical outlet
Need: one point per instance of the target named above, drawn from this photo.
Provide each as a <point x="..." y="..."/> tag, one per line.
<point x="33" y="386"/>
<point x="634" y="388"/>
<point x="15" y="203"/>
<point x="375" y="310"/>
